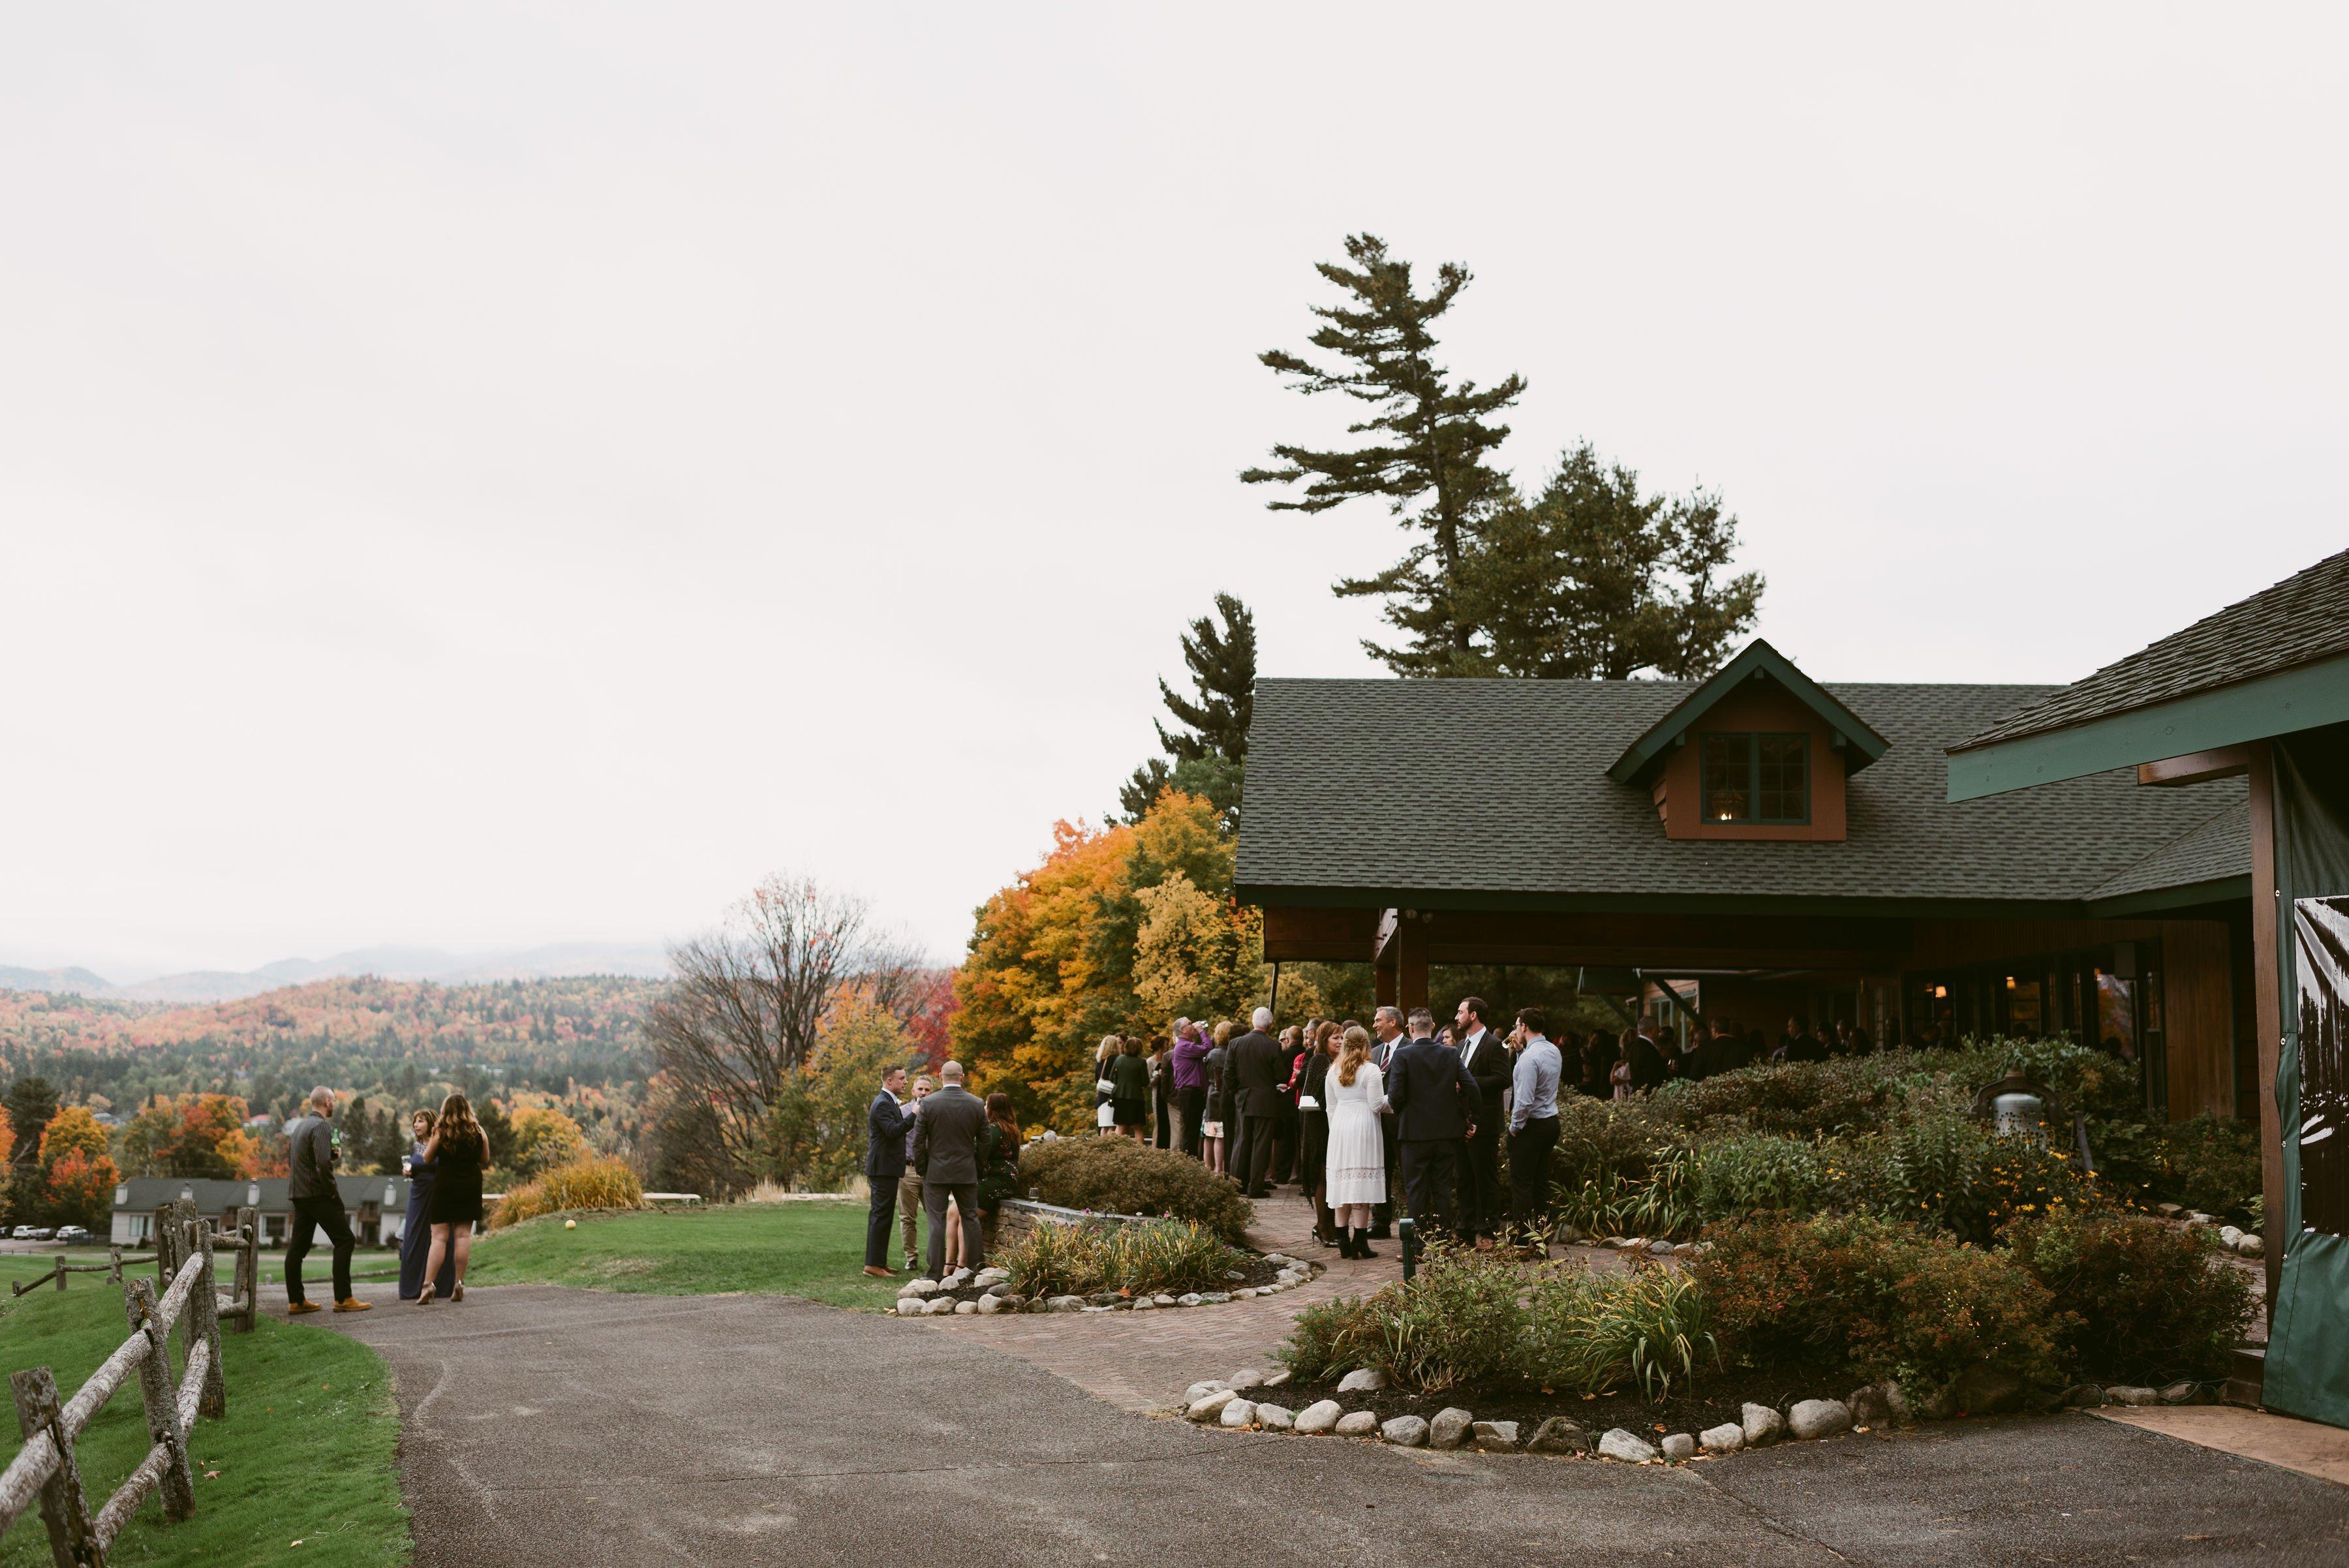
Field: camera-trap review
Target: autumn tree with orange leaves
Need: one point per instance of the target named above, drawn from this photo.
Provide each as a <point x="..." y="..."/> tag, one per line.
<point x="1119" y="930"/>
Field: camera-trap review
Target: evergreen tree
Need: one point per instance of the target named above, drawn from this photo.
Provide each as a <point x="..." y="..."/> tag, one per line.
<point x="1208" y="755"/>
<point x="1592" y="580"/>
<point x="1431" y="438"/>
<point x="31" y="1102"/>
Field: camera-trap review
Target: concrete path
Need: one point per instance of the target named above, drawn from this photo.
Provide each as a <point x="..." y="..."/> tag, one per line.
<point x="545" y="1426"/>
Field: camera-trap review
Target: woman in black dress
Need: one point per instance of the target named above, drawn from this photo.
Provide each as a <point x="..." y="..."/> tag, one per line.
<point x="457" y="1152"/>
<point x="416" y="1233"/>
<point x="1130" y="1097"/>
<point x="1313" y="1129"/>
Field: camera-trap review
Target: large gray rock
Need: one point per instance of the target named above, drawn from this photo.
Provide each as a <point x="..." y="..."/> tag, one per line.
<point x="1145" y="1304"/>
<point x="987" y="1306"/>
<point x="1320" y="1417"/>
<point x="966" y="1309"/>
<point x="2250" y="1244"/>
<point x="1209" y="1406"/>
<point x="1762" y="1424"/>
<point x="1494" y="1436"/>
<point x="1680" y="1445"/>
<point x="1065" y="1303"/>
<point x="1725" y="1439"/>
<point x="919" y="1288"/>
<point x="2128" y="1394"/>
<point x="1404" y="1431"/>
<point x="1162" y="1298"/>
<point x="1870" y="1406"/>
<point x="2180" y="1393"/>
<point x="1189" y="1299"/>
<point x="909" y="1306"/>
<point x="1925" y="1402"/>
<point x="1275" y="1418"/>
<point x="1278" y="1378"/>
<point x="1619" y="1444"/>
<point x="1214" y="1298"/>
<point x="1449" y="1427"/>
<point x="1811" y="1419"/>
<point x="1238" y="1413"/>
<point x="1983" y="1389"/>
<point x="1363" y="1380"/>
<point x="1558" y="1434"/>
<point x="2086" y="1396"/>
<point x="1357" y="1424"/>
<point x="1202" y="1388"/>
<point x="1245" y="1378"/>
<point x="938" y="1306"/>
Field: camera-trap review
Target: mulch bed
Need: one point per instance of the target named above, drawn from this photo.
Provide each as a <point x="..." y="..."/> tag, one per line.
<point x="1719" y="1399"/>
<point x="1250" y="1271"/>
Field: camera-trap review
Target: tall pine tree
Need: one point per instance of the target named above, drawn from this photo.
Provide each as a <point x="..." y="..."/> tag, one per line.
<point x="1206" y="754"/>
<point x="1591" y="580"/>
<point x="1427" y="457"/>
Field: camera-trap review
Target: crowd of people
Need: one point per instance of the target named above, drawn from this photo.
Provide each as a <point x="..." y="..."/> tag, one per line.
<point x="936" y="1153"/>
<point x="444" y="1165"/>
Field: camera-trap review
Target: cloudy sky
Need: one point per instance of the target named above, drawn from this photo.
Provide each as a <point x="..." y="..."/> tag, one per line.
<point x="494" y="474"/>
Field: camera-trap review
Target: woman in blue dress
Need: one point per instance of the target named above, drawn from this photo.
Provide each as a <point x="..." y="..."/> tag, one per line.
<point x="416" y="1233"/>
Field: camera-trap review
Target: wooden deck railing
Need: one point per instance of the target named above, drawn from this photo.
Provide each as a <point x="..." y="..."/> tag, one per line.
<point x="45" y="1470"/>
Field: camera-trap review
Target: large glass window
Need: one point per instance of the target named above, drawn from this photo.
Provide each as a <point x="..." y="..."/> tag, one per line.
<point x="1756" y="778"/>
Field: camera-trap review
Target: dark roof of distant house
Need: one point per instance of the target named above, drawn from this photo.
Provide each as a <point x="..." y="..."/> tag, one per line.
<point x="2301" y="620"/>
<point x="1369" y="790"/>
<point x="213" y="1195"/>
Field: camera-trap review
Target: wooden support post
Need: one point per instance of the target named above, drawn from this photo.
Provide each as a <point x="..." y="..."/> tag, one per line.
<point x="203" y="1326"/>
<point x="248" y="1268"/>
<point x="2267" y="993"/>
<point x="64" y="1506"/>
<point x="1410" y="963"/>
<point x="161" y="1395"/>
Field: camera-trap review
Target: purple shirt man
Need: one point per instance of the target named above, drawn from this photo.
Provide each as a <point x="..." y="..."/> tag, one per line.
<point x="1190" y="1056"/>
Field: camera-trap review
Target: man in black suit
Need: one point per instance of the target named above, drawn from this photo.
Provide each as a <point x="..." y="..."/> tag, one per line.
<point x="1800" y="1045"/>
<point x="1435" y="1104"/>
<point x="1486" y="1056"/>
<point x="945" y="1151"/>
<point x="1387" y="1038"/>
<point x="884" y="1163"/>
<point x="1257" y="1070"/>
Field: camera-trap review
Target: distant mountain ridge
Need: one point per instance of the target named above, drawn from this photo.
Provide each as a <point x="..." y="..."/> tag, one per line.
<point x="556" y="960"/>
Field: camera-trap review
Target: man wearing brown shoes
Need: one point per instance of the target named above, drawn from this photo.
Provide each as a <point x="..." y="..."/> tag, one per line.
<point x="317" y="1205"/>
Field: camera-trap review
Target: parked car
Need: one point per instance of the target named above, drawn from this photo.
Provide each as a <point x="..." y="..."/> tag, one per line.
<point x="22" y="1233"/>
<point x="71" y="1234"/>
<point x="39" y="1233"/>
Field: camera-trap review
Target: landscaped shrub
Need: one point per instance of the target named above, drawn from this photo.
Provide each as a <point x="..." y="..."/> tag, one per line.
<point x="1471" y="1318"/>
<point x="2143" y="1301"/>
<point x="592" y="1181"/>
<point x="1858" y="1299"/>
<point x="1752" y="1173"/>
<point x="2205" y="1163"/>
<point x="1598" y="1140"/>
<point x="1119" y="1176"/>
<point x="1079" y="1260"/>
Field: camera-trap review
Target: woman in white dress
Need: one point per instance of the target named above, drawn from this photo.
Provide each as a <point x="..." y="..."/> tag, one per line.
<point x="1357" y="1170"/>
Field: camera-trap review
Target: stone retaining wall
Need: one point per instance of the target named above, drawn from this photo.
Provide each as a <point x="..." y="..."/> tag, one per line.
<point x="1019" y="1216"/>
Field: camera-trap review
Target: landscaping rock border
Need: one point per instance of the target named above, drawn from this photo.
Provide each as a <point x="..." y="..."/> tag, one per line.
<point x="1862" y="1411"/>
<point x="987" y="1292"/>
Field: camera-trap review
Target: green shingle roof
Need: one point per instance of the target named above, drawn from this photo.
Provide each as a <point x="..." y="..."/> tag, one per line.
<point x="2303" y="620"/>
<point x="1373" y="791"/>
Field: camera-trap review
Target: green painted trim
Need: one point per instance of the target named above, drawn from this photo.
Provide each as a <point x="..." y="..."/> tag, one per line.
<point x="1758" y="658"/>
<point x="2257" y="710"/>
<point x="1263" y="894"/>
<point x="2154" y="900"/>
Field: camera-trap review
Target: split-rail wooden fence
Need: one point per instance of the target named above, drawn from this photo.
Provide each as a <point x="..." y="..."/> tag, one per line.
<point x="185" y="1294"/>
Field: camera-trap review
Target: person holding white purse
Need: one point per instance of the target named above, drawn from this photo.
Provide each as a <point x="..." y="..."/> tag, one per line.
<point x="1104" y="1117"/>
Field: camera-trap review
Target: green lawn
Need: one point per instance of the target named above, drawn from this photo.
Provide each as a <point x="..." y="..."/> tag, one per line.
<point x="305" y="1453"/>
<point x="813" y="1250"/>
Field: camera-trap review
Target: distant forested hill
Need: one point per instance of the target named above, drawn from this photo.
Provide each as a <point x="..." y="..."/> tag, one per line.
<point x="573" y="1041"/>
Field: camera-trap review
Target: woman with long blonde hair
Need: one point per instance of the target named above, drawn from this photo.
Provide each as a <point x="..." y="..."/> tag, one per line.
<point x="1356" y="1173"/>
<point x="1104" y="1087"/>
<point x="457" y="1152"/>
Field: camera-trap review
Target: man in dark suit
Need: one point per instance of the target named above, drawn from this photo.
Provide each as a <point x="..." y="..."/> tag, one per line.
<point x="945" y="1151"/>
<point x="1486" y="1056"/>
<point x="884" y="1164"/>
<point x="1436" y="1105"/>
<point x="1258" y="1071"/>
<point x="1387" y="1038"/>
<point x="1800" y="1045"/>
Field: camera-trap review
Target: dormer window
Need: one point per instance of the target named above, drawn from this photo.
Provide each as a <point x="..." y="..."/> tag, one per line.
<point x="1758" y="778"/>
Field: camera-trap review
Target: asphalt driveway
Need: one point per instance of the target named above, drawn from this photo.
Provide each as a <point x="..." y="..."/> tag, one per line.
<point x="545" y="1426"/>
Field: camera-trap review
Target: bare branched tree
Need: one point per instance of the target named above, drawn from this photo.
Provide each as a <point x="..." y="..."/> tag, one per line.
<point x="750" y="998"/>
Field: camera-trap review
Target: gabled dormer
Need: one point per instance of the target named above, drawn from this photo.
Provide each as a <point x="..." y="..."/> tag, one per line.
<point x="1759" y="751"/>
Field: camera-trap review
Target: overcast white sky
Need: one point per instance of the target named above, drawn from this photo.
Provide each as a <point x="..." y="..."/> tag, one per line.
<point x="493" y="475"/>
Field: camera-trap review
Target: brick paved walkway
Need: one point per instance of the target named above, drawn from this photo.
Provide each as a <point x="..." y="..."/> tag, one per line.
<point x="1144" y="1361"/>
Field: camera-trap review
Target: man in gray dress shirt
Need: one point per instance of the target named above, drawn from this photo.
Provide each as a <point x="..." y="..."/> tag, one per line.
<point x="1533" y="1130"/>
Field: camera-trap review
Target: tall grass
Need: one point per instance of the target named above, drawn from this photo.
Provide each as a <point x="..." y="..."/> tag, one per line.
<point x="1081" y="1260"/>
<point x="592" y="1181"/>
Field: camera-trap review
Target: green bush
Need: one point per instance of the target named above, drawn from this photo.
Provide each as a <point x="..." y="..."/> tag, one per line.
<point x="1119" y="1176"/>
<point x="1750" y="1173"/>
<point x="1079" y="1260"/>
<point x="1598" y="1140"/>
<point x="2143" y="1301"/>
<point x="1587" y="1333"/>
<point x="1859" y="1299"/>
<point x="2204" y="1163"/>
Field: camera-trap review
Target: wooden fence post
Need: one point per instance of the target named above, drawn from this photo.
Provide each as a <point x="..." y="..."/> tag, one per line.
<point x="248" y="1268"/>
<point x="114" y="1265"/>
<point x="166" y="1265"/>
<point x="61" y="1273"/>
<point x="204" y="1325"/>
<point x="161" y="1395"/>
<point x="64" y="1507"/>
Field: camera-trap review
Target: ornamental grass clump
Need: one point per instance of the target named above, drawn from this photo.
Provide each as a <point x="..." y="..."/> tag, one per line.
<point x="1134" y="1259"/>
<point x="591" y="1181"/>
<point x="1119" y="1176"/>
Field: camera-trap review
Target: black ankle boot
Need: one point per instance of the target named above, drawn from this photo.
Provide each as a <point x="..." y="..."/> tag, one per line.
<point x="1362" y="1245"/>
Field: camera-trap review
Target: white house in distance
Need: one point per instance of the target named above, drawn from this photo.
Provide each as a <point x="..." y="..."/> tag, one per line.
<point x="377" y="1204"/>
